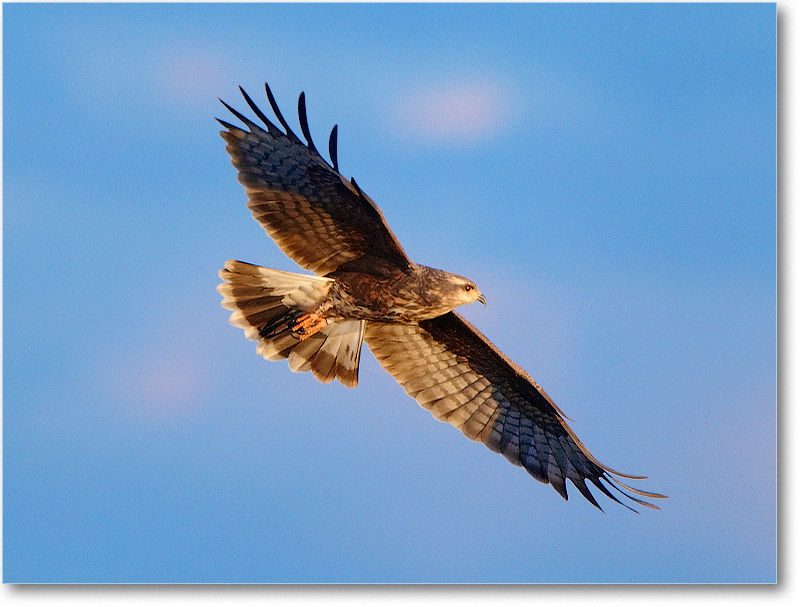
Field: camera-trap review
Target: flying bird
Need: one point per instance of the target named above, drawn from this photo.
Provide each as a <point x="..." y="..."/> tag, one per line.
<point x="364" y="288"/>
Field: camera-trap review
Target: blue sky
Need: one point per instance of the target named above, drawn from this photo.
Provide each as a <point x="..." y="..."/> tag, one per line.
<point x="605" y="174"/>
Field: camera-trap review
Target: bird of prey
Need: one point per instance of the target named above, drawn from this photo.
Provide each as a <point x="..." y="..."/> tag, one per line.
<point x="366" y="289"/>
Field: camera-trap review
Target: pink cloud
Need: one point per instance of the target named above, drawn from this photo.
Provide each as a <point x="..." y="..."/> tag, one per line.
<point x="455" y="112"/>
<point x="165" y="384"/>
<point x="165" y="366"/>
<point x="190" y="74"/>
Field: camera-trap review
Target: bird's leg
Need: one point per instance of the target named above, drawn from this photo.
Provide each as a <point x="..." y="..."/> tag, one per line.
<point x="307" y="324"/>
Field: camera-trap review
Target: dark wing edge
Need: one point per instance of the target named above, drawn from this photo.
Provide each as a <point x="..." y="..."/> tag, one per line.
<point x="316" y="216"/>
<point x="452" y="370"/>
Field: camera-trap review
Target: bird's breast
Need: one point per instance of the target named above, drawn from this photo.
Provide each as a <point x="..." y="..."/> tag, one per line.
<point x="383" y="298"/>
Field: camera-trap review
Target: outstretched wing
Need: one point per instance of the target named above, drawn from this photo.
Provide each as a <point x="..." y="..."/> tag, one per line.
<point x="461" y="378"/>
<point x="315" y="215"/>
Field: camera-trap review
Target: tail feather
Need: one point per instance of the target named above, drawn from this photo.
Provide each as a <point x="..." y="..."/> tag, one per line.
<point x="265" y="303"/>
<point x="303" y="354"/>
<point x="338" y="355"/>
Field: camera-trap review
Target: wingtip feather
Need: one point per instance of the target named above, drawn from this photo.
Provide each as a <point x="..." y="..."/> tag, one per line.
<point x="301" y="111"/>
<point x="270" y="126"/>
<point x="250" y="124"/>
<point x="332" y="142"/>
<point x="276" y="110"/>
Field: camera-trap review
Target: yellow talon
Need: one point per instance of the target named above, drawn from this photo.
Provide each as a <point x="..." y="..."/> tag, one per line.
<point x="308" y="324"/>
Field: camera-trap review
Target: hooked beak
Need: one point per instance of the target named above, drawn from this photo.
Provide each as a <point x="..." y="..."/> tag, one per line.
<point x="482" y="299"/>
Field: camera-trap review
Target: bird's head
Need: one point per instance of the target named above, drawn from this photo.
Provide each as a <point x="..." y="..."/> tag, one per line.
<point x="462" y="291"/>
<point x="443" y="291"/>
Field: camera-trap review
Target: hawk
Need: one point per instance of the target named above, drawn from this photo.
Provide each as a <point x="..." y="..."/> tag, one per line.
<point x="366" y="289"/>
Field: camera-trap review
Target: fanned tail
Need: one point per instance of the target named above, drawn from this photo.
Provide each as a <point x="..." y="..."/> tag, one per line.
<point x="266" y="303"/>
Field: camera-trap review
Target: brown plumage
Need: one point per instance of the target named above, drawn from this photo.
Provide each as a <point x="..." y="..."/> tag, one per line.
<point x="365" y="288"/>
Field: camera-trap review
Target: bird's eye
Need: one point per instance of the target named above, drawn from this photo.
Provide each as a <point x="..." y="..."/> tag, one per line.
<point x="468" y="288"/>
